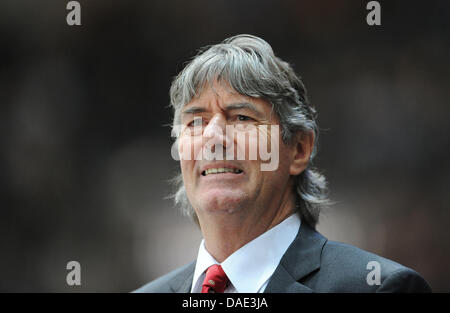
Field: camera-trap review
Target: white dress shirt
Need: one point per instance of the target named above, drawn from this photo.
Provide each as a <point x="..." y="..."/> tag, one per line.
<point x="250" y="268"/>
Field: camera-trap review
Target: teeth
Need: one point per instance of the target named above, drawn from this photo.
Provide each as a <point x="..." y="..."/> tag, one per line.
<point x="221" y="170"/>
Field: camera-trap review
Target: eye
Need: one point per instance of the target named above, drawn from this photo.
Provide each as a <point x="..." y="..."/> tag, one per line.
<point x="243" y="118"/>
<point x="196" y="122"/>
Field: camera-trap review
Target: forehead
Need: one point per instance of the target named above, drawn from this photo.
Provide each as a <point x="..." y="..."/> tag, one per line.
<point x="221" y="95"/>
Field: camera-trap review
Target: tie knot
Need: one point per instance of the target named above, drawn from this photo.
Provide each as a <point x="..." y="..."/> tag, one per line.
<point x="215" y="281"/>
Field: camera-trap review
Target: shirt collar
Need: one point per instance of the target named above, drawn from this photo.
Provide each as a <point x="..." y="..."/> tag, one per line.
<point x="204" y="260"/>
<point x="251" y="266"/>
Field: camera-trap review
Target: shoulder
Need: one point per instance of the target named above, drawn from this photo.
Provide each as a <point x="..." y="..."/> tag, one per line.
<point x="170" y="282"/>
<point x="346" y="268"/>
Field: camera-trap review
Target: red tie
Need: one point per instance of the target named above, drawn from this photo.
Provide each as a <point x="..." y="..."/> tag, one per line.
<point x="215" y="281"/>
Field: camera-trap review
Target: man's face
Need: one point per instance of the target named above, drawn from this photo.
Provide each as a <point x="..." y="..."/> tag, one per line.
<point x="214" y="124"/>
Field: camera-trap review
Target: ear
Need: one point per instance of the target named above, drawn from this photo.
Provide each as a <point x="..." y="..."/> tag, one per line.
<point x="302" y="147"/>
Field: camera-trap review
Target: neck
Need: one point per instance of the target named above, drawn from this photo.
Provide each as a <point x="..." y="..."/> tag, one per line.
<point x="224" y="232"/>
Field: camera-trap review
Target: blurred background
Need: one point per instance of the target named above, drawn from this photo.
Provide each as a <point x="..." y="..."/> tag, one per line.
<point x="85" y="150"/>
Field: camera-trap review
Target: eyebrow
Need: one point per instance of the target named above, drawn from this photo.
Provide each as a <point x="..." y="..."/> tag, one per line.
<point x="228" y="107"/>
<point x="193" y="110"/>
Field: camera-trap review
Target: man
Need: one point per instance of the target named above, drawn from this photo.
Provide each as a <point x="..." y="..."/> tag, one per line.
<point x="258" y="211"/>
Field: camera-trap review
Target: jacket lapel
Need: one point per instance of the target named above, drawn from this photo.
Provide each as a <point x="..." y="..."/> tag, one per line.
<point x="183" y="281"/>
<point x="301" y="258"/>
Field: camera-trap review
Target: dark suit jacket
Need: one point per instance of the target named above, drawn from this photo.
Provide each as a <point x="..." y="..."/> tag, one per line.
<point x="312" y="263"/>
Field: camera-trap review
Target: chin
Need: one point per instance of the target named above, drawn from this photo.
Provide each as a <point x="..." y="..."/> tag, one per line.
<point x="223" y="201"/>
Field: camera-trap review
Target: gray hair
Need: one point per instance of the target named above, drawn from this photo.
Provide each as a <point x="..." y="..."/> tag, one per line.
<point x="248" y="64"/>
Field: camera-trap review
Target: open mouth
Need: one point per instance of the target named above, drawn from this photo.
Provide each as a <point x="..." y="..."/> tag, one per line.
<point x="221" y="170"/>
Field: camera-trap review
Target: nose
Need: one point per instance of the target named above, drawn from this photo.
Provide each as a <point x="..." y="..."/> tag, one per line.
<point x="215" y="136"/>
<point x="216" y="127"/>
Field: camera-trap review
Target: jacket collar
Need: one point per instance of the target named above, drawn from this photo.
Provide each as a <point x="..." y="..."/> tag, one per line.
<point x="301" y="258"/>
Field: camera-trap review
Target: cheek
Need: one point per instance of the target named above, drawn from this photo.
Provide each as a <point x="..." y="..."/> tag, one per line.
<point x="262" y="145"/>
<point x="284" y="158"/>
<point x="185" y="166"/>
<point x="246" y="143"/>
<point x="189" y="179"/>
<point x="258" y="144"/>
<point x="185" y="150"/>
<point x="189" y="148"/>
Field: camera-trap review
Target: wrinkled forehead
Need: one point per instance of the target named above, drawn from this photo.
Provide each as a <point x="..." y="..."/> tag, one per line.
<point x="217" y="89"/>
<point x="220" y="91"/>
